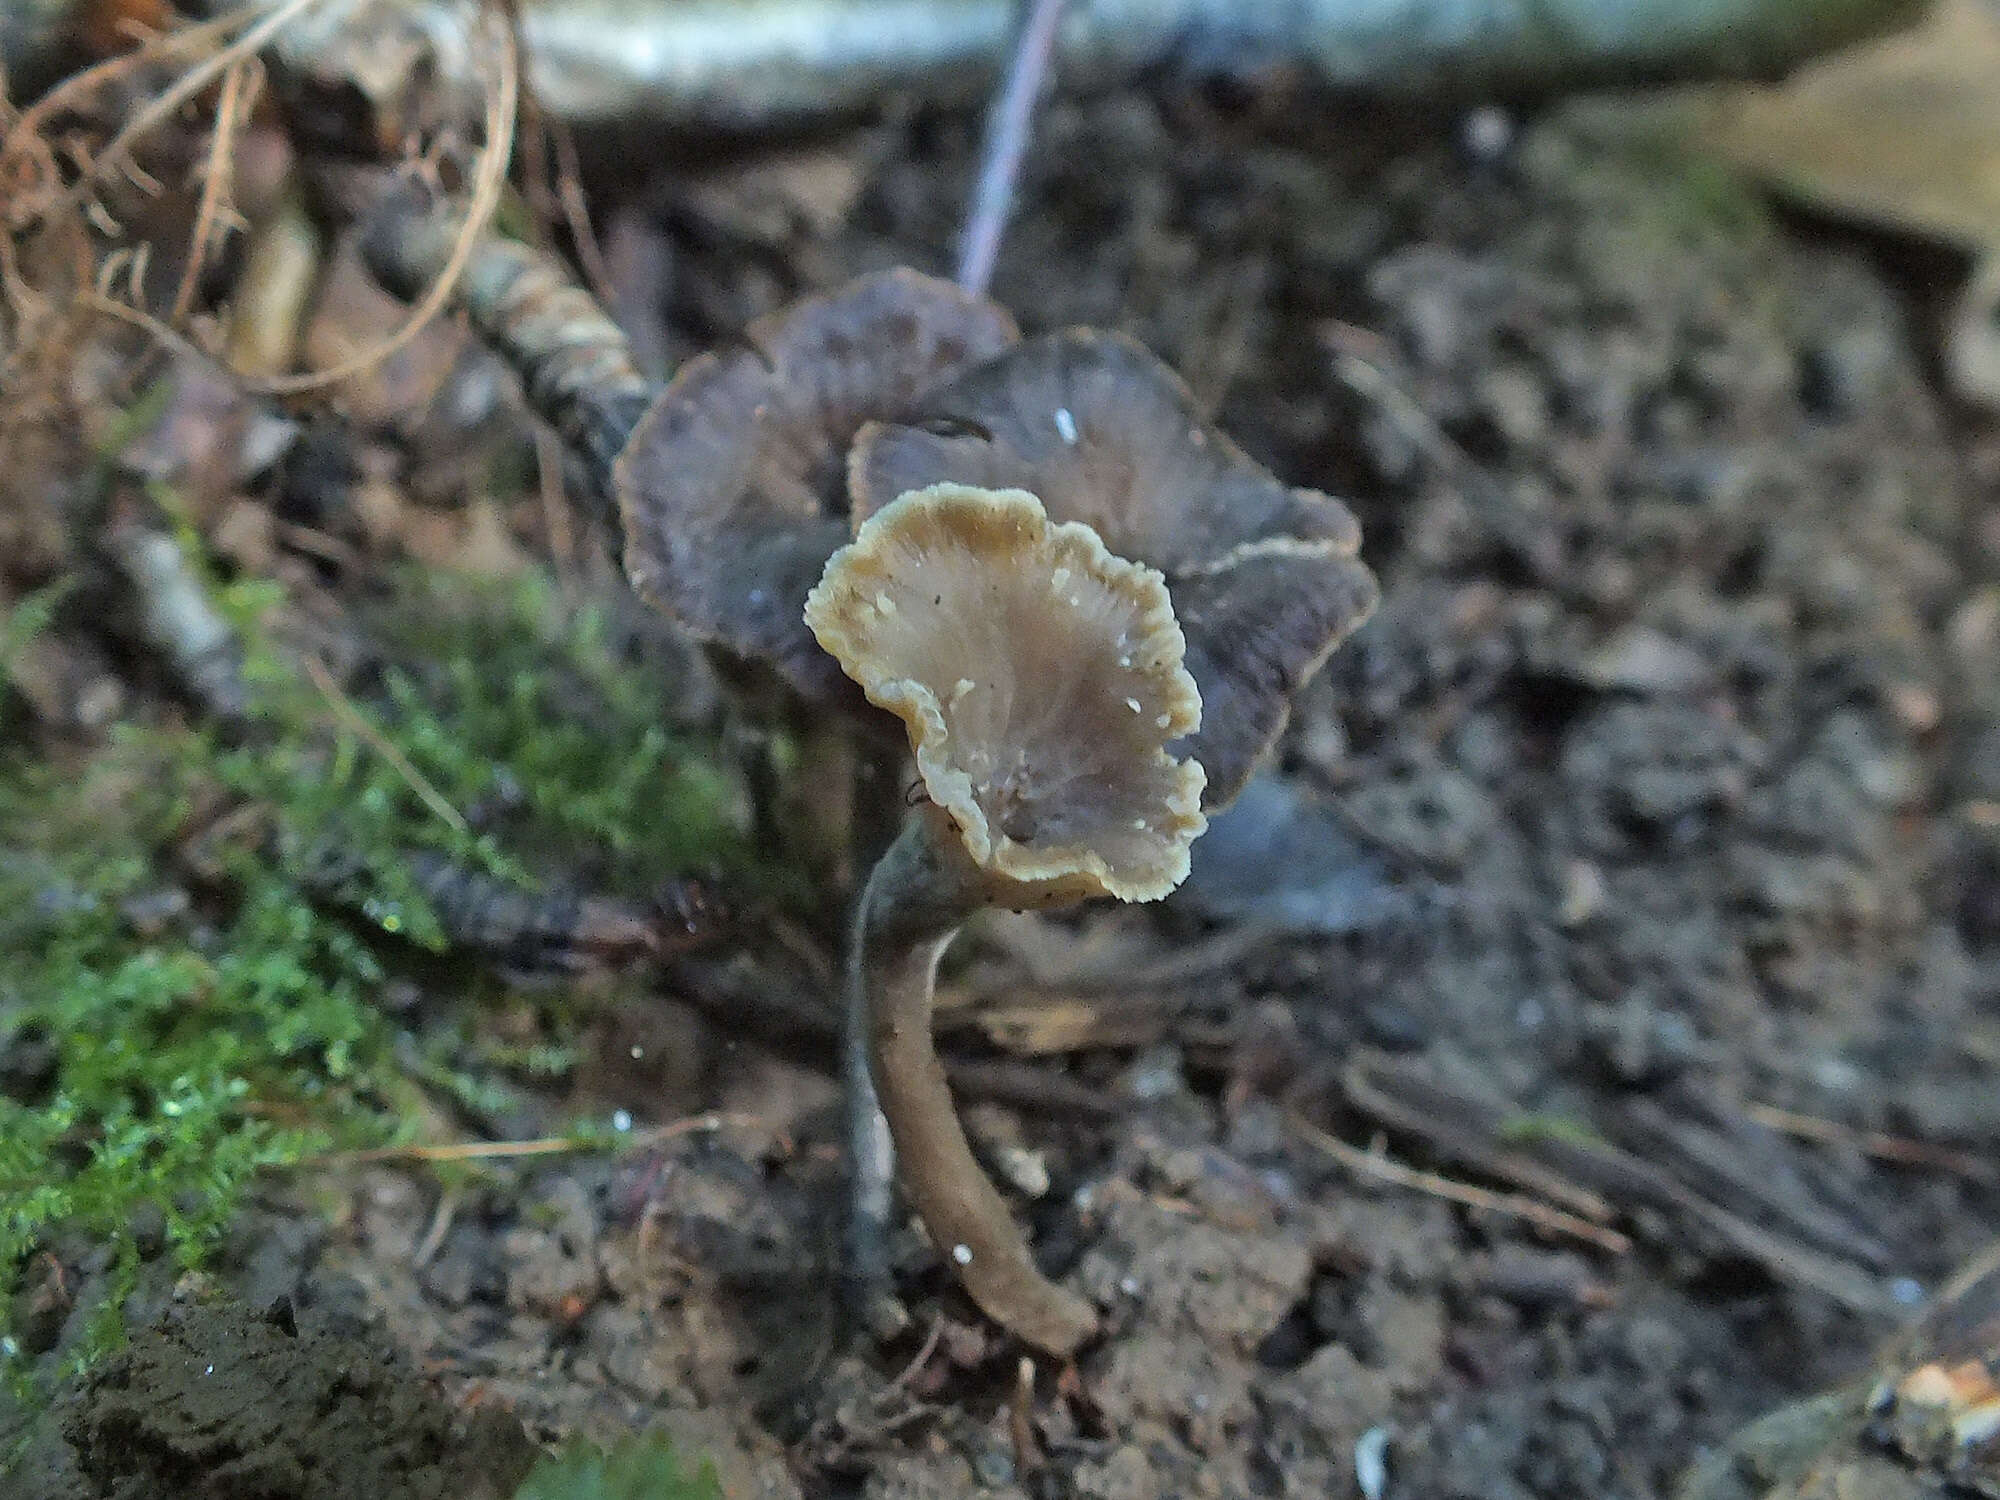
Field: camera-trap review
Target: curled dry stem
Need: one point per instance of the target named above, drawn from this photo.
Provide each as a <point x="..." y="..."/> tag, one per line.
<point x="575" y="363"/>
<point x="240" y="86"/>
<point x="918" y="896"/>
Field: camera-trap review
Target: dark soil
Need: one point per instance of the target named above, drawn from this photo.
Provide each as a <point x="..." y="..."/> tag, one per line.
<point x="215" y="1402"/>
<point x="1670" y="763"/>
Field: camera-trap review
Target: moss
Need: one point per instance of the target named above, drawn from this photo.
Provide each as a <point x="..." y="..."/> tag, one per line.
<point x="240" y="1030"/>
<point x="1527" y="1128"/>
<point x="171" y="1054"/>
<point x="520" y="695"/>
<point x="642" y="1468"/>
<point x="20" y="625"/>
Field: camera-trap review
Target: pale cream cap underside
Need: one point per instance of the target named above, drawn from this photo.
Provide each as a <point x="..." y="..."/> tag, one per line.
<point x="1040" y="678"/>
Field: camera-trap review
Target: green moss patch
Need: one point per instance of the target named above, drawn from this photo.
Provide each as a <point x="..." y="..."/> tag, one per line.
<point x="196" y="932"/>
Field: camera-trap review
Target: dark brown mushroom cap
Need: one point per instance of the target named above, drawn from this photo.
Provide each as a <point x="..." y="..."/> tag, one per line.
<point x="1259" y="625"/>
<point x="733" y="487"/>
<point x="1264" y="577"/>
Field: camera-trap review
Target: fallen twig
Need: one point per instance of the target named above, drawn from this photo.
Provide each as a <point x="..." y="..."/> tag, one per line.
<point x="176" y="616"/>
<point x="797" y="1024"/>
<point x="239" y="90"/>
<point x="167" y="338"/>
<point x="1428" y="1112"/>
<point x="757" y="63"/>
<point x="575" y="363"/>
<point x="1513" y="1205"/>
<point x="1894" y="1148"/>
<point x="1468" y="1129"/>
<point x="352" y="718"/>
<point x="544" y="1146"/>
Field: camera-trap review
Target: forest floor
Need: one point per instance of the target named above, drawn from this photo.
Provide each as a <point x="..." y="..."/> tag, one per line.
<point x="1639" y="859"/>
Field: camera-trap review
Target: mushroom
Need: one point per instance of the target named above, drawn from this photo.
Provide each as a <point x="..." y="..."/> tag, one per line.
<point x="732" y="488"/>
<point x="1040" y="679"/>
<point x="733" y="493"/>
<point x="1264" y="577"/>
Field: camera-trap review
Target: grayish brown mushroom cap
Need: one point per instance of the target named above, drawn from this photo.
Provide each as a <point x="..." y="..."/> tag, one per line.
<point x="733" y="486"/>
<point x="1264" y="577"/>
<point x="1040" y="678"/>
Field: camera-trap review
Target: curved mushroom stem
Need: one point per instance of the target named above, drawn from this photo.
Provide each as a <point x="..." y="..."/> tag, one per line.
<point x="871" y="1165"/>
<point x="877" y="807"/>
<point x="918" y="895"/>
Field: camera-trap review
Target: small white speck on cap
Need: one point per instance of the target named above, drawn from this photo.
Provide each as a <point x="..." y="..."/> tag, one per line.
<point x="1164" y="720"/>
<point x="884" y="603"/>
<point x="1066" y="425"/>
<point x="1059" y="579"/>
<point x="1124" y="661"/>
<point x="962" y="1254"/>
<point x="1371" y="1463"/>
<point x="621" y="1121"/>
<point x="1133" y="704"/>
<point x="959" y="689"/>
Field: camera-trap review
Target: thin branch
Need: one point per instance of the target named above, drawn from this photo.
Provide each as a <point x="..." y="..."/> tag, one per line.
<point x="349" y="715"/>
<point x="231" y="110"/>
<point x="441" y="1222"/>
<point x="1513" y="1205"/>
<point x="909" y="1371"/>
<point x="545" y="1146"/>
<point x="569" y="194"/>
<point x="1005" y="143"/>
<point x="138" y="317"/>
<point x="1899" y="1149"/>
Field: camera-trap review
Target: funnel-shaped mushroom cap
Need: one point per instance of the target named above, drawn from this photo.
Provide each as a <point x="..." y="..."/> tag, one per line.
<point x="733" y="487"/>
<point x="1040" y="679"/>
<point x="1265" y="577"/>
